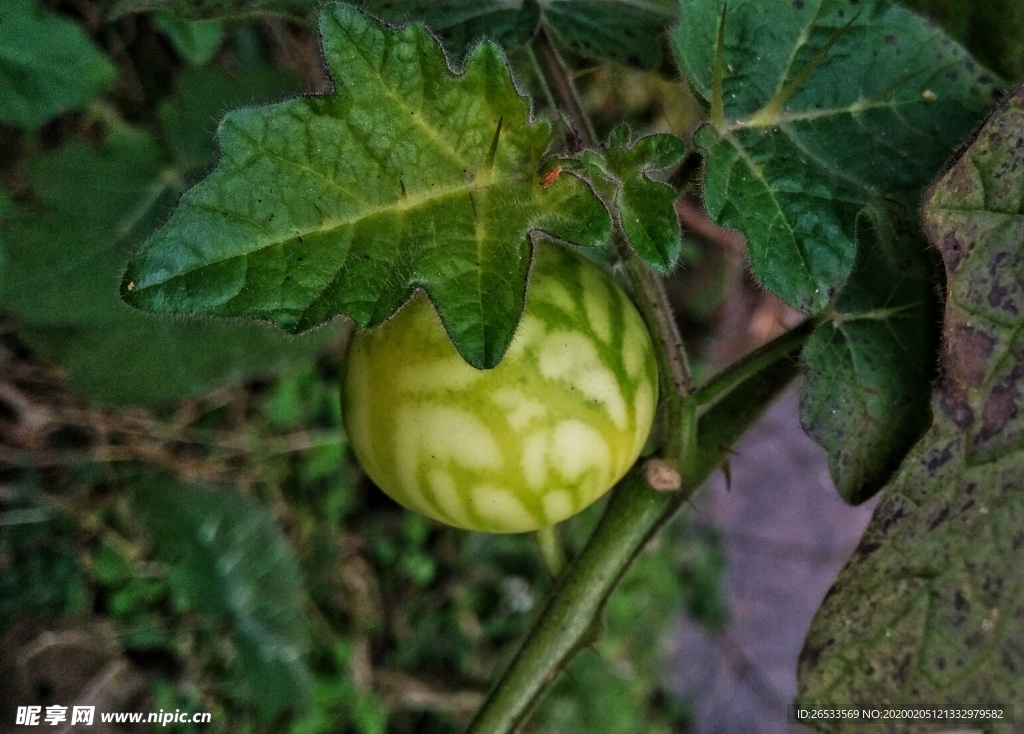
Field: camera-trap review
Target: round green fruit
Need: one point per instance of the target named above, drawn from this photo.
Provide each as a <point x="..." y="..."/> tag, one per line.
<point x="529" y="443"/>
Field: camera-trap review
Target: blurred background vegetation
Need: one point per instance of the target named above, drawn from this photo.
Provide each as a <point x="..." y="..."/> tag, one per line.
<point x="181" y="526"/>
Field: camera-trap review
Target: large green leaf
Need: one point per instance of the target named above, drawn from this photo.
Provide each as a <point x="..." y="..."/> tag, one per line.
<point x="828" y="116"/>
<point x="47" y="64"/>
<point x="930" y="610"/>
<point x="622" y="30"/>
<point x="993" y="30"/>
<point x="231" y="562"/>
<point x="874" y="120"/>
<point x="865" y="396"/>
<point x="407" y="176"/>
<point x="64" y="259"/>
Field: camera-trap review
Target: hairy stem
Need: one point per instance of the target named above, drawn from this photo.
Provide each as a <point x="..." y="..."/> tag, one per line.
<point x="744" y="368"/>
<point x="673" y="366"/>
<point x="560" y="84"/>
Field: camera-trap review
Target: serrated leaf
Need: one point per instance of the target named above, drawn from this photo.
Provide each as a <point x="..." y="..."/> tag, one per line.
<point x="196" y="41"/>
<point x="47" y="64"/>
<point x="931" y="607"/>
<point x="992" y="30"/>
<point x="865" y="397"/>
<point x="231" y="562"/>
<point x="644" y="207"/>
<point x="407" y="176"/>
<point x="65" y="256"/>
<point x="827" y="107"/>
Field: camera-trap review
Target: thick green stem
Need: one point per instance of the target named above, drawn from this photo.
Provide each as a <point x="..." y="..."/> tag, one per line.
<point x="634" y="513"/>
<point x="744" y="368"/>
<point x="673" y="367"/>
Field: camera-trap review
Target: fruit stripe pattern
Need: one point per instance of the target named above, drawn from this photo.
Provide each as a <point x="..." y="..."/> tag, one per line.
<point x="526" y="444"/>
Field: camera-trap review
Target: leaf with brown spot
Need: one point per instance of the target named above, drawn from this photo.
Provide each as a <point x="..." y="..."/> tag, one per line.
<point x="930" y="611"/>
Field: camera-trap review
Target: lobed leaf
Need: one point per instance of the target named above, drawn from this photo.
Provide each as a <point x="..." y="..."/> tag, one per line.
<point x="930" y="609"/>
<point x="407" y="176"/>
<point x="231" y="562"/>
<point x="827" y="108"/>
<point x="48" y="65"/>
<point x="644" y="207"/>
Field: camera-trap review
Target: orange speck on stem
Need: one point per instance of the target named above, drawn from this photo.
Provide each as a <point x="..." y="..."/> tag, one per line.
<point x="550" y="176"/>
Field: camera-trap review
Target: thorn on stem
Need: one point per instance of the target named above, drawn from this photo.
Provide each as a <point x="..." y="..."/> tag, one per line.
<point x="489" y="163"/>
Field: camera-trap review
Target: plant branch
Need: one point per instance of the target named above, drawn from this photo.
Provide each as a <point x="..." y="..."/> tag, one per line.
<point x="633" y="514"/>
<point x="560" y="84"/>
<point x="652" y="302"/>
<point x="747" y="366"/>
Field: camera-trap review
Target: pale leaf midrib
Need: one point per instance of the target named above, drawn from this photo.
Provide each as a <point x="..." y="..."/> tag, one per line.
<point x="399" y="207"/>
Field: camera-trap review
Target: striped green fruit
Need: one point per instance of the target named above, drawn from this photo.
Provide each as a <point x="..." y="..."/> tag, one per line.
<point x="529" y="443"/>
